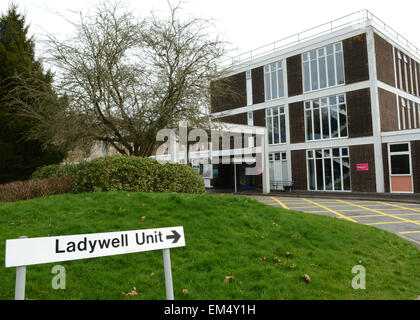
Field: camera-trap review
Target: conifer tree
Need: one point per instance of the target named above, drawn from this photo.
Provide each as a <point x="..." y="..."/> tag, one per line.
<point x="19" y="154"/>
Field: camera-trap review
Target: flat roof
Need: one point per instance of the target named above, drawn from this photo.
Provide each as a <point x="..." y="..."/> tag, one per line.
<point x="356" y="20"/>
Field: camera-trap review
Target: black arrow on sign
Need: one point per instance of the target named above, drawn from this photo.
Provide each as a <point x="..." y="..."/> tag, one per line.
<point x="176" y="236"/>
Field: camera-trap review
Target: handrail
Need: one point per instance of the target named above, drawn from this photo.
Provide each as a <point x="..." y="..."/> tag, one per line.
<point x="349" y="20"/>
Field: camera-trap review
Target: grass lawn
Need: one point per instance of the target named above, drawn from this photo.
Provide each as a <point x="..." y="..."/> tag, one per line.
<point x="265" y="249"/>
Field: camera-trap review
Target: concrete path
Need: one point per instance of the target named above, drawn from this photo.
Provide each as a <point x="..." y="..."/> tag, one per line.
<point x="402" y="219"/>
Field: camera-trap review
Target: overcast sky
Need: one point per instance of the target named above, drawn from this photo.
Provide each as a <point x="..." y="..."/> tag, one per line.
<point x="246" y="24"/>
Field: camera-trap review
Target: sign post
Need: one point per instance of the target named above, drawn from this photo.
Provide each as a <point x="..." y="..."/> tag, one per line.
<point x="168" y="274"/>
<point x="20" y="280"/>
<point x="30" y="251"/>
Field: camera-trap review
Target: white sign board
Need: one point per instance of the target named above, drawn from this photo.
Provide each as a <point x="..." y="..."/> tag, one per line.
<point x="29" y="251"/>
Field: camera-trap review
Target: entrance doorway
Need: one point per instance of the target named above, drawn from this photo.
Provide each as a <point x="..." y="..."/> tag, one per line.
<point x="278" y="167"/>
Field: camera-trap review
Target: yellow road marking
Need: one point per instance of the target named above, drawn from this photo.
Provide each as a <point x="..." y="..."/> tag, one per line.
<point x="390" y="209"/>
<point x="379" y="215"/>
<point x="330" y="210"/>
<point x="390" y="222"/>
<point x="349" y="210"/>
<point x="406" y="232"/>
<point x="369" y="205"/>
<point x="401" y="207"/>
<point x="285" y="201"/>
<point x="315" y="211"/>
<point x="282" y="204"/>
<point x="291" y="208"/>
<point x="366" y="216"/>
<point x="382" y="213"/>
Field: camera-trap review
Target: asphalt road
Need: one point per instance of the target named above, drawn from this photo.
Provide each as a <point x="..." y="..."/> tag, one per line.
<point x="402" y="219"/>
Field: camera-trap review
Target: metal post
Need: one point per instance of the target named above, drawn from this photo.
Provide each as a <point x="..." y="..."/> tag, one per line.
<point x="20" y="280"/>
<point x="234" y="176"/>
<point x="168" y="274"/>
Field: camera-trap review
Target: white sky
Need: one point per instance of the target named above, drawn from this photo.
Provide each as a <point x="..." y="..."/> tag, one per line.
<point x="246" y="24"/>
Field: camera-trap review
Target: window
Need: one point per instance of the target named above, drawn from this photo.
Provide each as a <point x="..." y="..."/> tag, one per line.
<point x="250" y="118"/>
<point x="400" y="82"/>
<point x="399" y="155"/>
<point x="413" y="111"/>
<point x="323" y="68"/>
<point x="329" y="169"/>
<point x="207" y="171"/>
<point x="409" y="112"/>
<point x="273" y="81"/>
<point x="410" y="65"/>
<point x="403" y="112"/>
<point x="405" y="73"/>
<point x="276" y="124"/>
<point x="326" y="118"/>
<point x="418" y="115"/>
<point x="249" y="98"/>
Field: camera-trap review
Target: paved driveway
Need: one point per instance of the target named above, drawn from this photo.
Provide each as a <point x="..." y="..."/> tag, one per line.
<point x="400" y="218"/>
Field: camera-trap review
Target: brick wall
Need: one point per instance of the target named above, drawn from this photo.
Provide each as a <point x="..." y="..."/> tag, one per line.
<point x="362" y="181"/>
<point x="259" y="118"/>
<point x="294" y="75"/>
<point x="356" y="66"/>
<point x="240" y="118"/>
<point x="297" y="122"/>
<point x="415" y="159"/>
<point x="359" y="113"/>
<point x="388" y="110"/>
<point x="384" y="61"/>
<point x="228" y="93"/>
<point x="299" y="175"/>
<point x="257" y="75"/>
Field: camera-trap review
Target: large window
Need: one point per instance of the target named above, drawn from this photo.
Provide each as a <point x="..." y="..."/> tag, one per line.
<point x="326" y="118"/>
<point x="276" y="124"/>
<point x="407" y="73"/>
<point x="273" y="81"/>
<point x="323" y="68"/>
<point x="401" y="174"/>
<point x="329" y="169"/>
<point x="399" y="155"/>
<point x="409" y="113"/>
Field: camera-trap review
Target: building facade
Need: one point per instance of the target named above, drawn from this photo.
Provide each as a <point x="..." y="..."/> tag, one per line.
<point x="341" y="109"/>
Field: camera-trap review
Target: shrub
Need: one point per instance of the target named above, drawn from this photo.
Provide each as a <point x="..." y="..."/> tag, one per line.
<point x="23" y="190"/>
<point x="137" y="174"/>
<point x="176" y="177"/>
<point x="56" y="170"/>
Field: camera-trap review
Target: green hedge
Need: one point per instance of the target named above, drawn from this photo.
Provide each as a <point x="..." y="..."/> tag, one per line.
<point x="128" y="173"/>
<point x="56" y="170"/>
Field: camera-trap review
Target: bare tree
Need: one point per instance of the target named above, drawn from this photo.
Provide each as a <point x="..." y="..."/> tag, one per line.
<point x="123" y="79"/>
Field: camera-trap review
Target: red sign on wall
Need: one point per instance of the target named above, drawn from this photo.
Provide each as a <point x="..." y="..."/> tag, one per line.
<point x="362" y="167"/>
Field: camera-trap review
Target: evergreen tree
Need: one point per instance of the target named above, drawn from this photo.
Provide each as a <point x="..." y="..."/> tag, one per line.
<point x="19" y="154"/>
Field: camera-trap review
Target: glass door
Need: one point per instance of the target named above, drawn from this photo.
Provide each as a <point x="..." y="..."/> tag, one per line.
<point x="278" y="170"/>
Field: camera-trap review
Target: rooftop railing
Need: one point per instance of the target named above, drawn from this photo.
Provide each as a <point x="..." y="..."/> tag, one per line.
<point x="353" y="19"/>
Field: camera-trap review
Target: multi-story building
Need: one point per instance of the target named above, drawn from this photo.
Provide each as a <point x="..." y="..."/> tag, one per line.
<point x="341" y="107"/>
